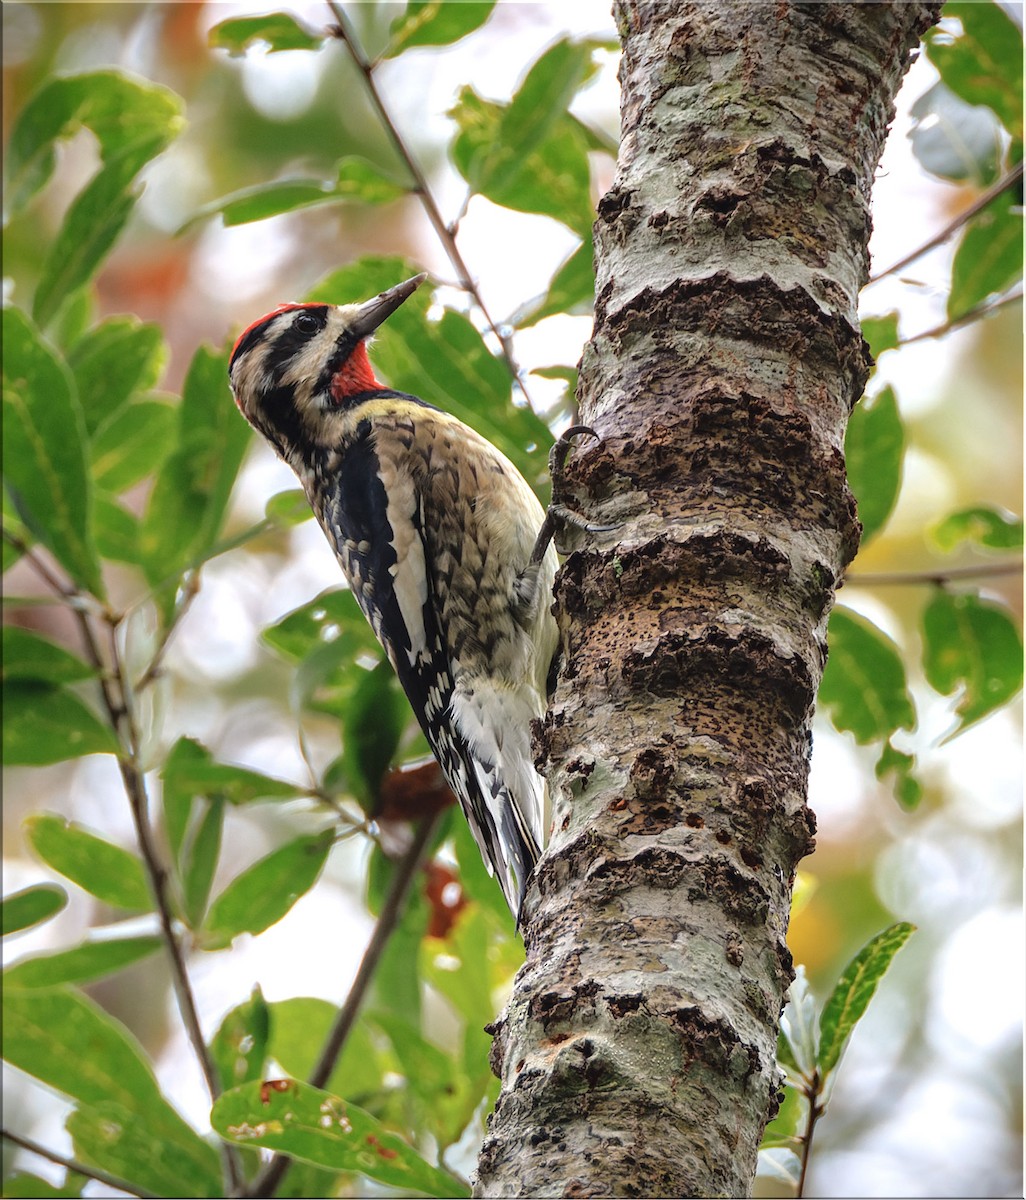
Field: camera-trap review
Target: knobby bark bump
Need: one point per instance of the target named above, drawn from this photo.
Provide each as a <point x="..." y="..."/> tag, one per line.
<point x="637" y="1052"/>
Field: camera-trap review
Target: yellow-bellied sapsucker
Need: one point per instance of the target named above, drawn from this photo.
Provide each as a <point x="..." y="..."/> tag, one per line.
<point x="435" y="530"/>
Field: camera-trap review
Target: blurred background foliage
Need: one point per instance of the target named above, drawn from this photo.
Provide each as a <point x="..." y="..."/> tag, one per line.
<point x="214" y="179"/>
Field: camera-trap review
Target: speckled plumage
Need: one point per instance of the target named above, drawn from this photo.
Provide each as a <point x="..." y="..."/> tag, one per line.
<point x="434" y="530"/>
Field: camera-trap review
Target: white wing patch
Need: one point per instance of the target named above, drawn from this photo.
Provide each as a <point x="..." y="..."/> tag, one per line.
<point x="409" y="571"/>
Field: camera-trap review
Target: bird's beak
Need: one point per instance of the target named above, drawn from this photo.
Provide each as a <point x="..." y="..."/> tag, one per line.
<point x="374" y="312"/>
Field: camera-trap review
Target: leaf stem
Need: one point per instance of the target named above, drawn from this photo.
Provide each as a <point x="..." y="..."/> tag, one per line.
<point x="270" y="1178"/>
<point x="938" y="577"/>
<point x="956" y="224"/>
<point x="345" y="32"/>
<point x="73" y="1165"/>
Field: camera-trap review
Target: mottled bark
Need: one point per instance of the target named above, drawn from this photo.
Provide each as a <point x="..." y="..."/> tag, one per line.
<point x="637" y="1051"/>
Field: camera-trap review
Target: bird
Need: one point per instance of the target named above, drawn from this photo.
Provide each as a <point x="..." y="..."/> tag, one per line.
<point x="441" y="540"/>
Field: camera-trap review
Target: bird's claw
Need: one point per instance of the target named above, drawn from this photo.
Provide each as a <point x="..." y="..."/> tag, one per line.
<point x="559" y="515"/>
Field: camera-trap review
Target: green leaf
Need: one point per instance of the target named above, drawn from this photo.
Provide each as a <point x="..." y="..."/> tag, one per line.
<point x="435" y="23"/>
<point x="538" y="166"/>
<point x="126" y="114"/>
<point x="111" y="1136"/>
<point x="112" y="362"/>
<point x="881" y="333"/>
<point x="445" y="1095"/>
<point x="972" y="646"/>
<point x="854" y="990"/>
<point x="191" y="769"/>
<point x="333" y="618"/>
<point x="132" y="445"/>
<point x="104" y="870"/>
<point x="955" y="140"/>
<point x="316" y="1126"/>
<point x="239" y="1048"/>
<point x="358" y="179"/>
<point x="264" y="893"/>
<point x="375" y="715"/>
<point x="572" y="289"/>
<point x="116" y="530"/>
<point x="82" y="964"/>
<point x="273" y="31"/>
<point x="477" y="883"/>
<point x="289" y="508"/>
<point x="31" y="906"/>
<point x="264" y="200"/>
<point x="44" y="450"/>
<point x="898" y="766"/>
<point x="91" y="226"/>
<point x="875" y="449"/>
<point x="69" y="1043"/>
<point x="983" y="64"/>
<point x="299" y="1030"/>
<point x="187" y="505"/>
<point x="864" y="687"/>
<point x="200" y="863"/>
<point x="985" y="526"/>
<point x="44" y="724"/>
<point x="28" y="656"/>
<point x="988" y="258"/>
<point x="25" y="1186"/>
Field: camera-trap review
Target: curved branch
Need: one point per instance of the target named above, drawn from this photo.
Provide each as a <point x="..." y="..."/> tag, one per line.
<point x="72" y="1164"/>
<point x="984" y="309"/>
<point x="938" y="577"/>
<point x="995" y="190"/>
<point x="344" y="31"/>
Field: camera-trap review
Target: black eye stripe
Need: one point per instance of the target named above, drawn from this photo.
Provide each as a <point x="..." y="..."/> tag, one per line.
<point x="296" y="334"/>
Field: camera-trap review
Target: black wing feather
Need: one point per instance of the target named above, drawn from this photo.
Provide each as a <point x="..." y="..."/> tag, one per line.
<point x="355" y="517"/>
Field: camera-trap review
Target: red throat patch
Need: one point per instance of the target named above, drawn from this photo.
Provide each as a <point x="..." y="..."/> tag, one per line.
<point x="354" y="376"/>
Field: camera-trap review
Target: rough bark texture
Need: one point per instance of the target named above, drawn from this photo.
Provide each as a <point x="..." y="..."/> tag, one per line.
<point x="637" y="1051"/>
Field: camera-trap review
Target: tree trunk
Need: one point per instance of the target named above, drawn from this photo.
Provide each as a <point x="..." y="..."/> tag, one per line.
<point x="637" y="1053"/>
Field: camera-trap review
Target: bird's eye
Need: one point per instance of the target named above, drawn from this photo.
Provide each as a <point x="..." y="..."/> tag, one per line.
<point x="307" y="323"/>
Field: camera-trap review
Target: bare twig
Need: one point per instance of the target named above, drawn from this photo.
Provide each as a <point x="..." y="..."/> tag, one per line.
<point x="995" y="190"/>
<point x="939" y="576"/>
<point x="345" y="32"/>
<point x="78" y="1168"/>
<point x="270" y="1178"/>
<point x="813" y="1090"/>
<point x="984" y="309"/>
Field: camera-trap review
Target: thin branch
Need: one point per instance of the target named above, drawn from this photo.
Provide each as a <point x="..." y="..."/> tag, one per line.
<point x="117" y="700"/>
<point x="345" y="32"/>
<point x="71" y="1164"/>
<point x="69" y="595"/>
<point x="995" y="190"/>
<point x="270" y="1178"/>
<point x="984" y="309"/>
<point x="116" y="695"/>
<point x="939" y="577"/>
<point x="812" y="1094"/>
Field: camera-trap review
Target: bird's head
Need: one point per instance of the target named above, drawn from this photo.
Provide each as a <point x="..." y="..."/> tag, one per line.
<point x="296" y="371"/>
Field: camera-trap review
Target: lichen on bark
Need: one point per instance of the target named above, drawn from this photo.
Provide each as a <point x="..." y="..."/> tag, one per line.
<point x="637" y="1052"/>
